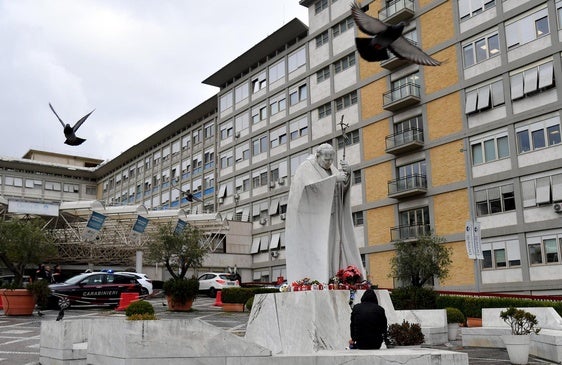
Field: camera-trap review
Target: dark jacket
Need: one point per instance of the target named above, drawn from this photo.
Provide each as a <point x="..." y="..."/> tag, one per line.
<point x="368" y="322"/>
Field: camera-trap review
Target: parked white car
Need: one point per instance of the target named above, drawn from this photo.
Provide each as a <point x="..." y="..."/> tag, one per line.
<point x="210" y="282"/>
<point x="143" y="280"/>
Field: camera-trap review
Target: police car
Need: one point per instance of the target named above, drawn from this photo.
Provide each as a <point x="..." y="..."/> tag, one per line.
<point x="97" y="289"/>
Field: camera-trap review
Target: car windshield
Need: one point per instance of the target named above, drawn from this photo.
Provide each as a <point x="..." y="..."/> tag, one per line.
<point x="76" y="279"/>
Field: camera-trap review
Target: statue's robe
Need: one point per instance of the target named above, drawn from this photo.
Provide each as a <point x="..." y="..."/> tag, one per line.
<point x="319" y="236"/>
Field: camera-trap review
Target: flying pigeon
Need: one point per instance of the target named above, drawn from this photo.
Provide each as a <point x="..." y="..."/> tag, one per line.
<point x="188" y="196"/>
<point x="386" y="36"/>
<point x="70" y="132"/>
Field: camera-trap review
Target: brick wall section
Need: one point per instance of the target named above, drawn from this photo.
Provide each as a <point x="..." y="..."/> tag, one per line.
<point x="379" y="268"/>
<point x="379" y="222"/>
<point x="371" y="98"/>
<point x="374" y="139"/>
<point x="435" y="26"/>
<point x="376" y="178"/>
<point x="450" y="212"/>
<point x="461" y="271"/>
<point x="439" y="77"/>
<point x="444" y="117"/>
<point x="447" y="164"/>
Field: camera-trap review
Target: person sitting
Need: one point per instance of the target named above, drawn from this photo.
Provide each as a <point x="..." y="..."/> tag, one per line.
<point x="368" y="323"/>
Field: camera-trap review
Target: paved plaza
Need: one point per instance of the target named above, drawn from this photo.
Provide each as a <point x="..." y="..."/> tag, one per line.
<point x="19" y="336"/>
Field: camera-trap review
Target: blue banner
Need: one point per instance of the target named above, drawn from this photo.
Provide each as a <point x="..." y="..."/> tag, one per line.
<point x="140" y="224"/>
<point x="180" y="226"/>
<point x="94" y="225"/>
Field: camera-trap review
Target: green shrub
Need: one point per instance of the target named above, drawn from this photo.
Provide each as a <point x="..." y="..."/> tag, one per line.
<point x="250" y="303"/>
<point x="181" y="290"/>
<point x="405" y="334"/>
<point x="142" y="317"/>
<point x="454" y="315"/>
<point x="520" y="321"/>
<point x="236" y="295"/>
<point x="139" y="307"/>
<point x="413" y="298"/>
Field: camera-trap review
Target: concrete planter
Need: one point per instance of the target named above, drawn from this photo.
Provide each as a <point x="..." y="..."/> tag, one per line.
<point x="233" y="307"/>
<point x="177" y="307"/>
<point x="517" y="347"/>
<point x="453" y="331"/>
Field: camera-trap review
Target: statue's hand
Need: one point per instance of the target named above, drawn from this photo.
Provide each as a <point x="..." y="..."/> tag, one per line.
<point x="344" y="167"/>
<point x="342" y="177"/>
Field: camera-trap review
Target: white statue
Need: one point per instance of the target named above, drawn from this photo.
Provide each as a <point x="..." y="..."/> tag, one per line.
<point x="319" y="227"/>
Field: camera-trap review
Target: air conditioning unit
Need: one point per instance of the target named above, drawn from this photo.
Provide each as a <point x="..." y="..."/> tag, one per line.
<point x="281" y="181"/>
<point x="272" y="184"/>
<point x="236" y="197"/>
<point x="221" y="200"/>
<point x="274" y="254"/>
<point x="263" y="221"/>
<point x="282" y="215"/>
<point x="557" y="207"/>
<point x="237" y="135"/>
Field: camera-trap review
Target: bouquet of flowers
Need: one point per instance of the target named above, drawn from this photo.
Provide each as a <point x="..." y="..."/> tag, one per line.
<point x="349" y="275"/>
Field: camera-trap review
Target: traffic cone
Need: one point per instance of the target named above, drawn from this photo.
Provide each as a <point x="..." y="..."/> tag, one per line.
<point x="218" y="299"/>
<point x="126" y="299"/>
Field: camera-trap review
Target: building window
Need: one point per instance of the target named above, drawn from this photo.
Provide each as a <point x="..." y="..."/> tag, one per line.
<point x="241" y="122"/>
<point x="298" y="128"/>
<point x="349" y="139"/>
<point x="494" y="200"/>
<point x="323" y="74"/>
<point x="71" y="188"/>
<point x="226" y="130"/>
<point x="356" y="177"/>
<point x="344" y="63"/>
<point x="528" y="28"/>
<point x="559" y="13"/>
<point x="209" y="130"/>
<point x="324" y="110"/>
<point x="481" y="50"/>
<point x="296" y="59"/>
<point x="342" y="26"/>
<point x="242" y="152"/>
<point x="226" y="101"/>
<point x="277" y="104"/>
<point x="470" y="8"/>
<point x="346" y="101"/>
<point x="500" y="255"/>
<point x="484" y="97"/>
<point x="197" y="136"/>
<point x="241" y="92"/>
<point x="413" y="223"/>
<point x="259" y="113"/>
<point x="490" y="149"/>
<point x="259" y="82"/>
<point x="298" y="95"/>
<point x="320" y="5"/>
<point x="277" y="71"/>
<point x="259" y="145"/>
<point x="542" y="191"/>
<point x="538" y="135"/>
<point x="357" y="218"/>
<point x="532" y="80"/>
<point x="322" y="39"/>
<point x="278" y="137"/>
<point x="544" y="250"/>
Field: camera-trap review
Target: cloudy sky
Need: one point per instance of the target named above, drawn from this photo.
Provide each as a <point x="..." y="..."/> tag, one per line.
<point x="138" y="63"/>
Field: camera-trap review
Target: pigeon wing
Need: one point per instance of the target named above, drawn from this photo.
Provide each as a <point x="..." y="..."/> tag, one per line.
<point x="82" y="120"/>
<point x="403" y="48"/>
<point x="366" y="23"/>
<point x="60" y="120"/>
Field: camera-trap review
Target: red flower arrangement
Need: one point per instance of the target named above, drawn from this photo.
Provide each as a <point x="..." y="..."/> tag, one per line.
<point x="349" y="275"/>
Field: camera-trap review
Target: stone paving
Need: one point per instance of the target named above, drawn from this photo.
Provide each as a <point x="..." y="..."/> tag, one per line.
<point x="19" y="336"/>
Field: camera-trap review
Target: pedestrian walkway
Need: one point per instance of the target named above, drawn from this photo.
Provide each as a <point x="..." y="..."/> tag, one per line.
<point x="19" y="336"/>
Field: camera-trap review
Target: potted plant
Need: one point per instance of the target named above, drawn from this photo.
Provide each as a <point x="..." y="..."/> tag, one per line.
<point x="23" y="243"/>
<point x="179" y="250"/>
<point x="522" y="324"/>
<point x="454" y="317"/>
<point x="405" y="334"/>
<point x="234" y="299"/>
<point x="180" y="293"/>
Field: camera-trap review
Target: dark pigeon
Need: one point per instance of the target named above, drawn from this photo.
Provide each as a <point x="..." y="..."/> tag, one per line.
<point x="61" y="314"/>
<point x="70" y="132"/>
<point x="386" y="37"/>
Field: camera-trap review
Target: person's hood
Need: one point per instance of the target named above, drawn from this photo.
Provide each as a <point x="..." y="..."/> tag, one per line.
<point x="369" y="296"/>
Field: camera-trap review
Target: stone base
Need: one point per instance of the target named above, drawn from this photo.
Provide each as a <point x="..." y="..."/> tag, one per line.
<point x="64" y="342"/>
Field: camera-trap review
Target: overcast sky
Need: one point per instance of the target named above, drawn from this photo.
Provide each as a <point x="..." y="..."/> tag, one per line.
<point x="138" y="63"/>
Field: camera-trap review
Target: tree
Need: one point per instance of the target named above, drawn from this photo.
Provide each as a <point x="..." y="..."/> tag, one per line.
<point x="179" y="251"/>
<point x="24" y="242"/>
<point x="419" y="261"/>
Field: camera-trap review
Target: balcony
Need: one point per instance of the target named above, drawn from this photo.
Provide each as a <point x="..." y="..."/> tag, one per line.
<point x="409" y="233"/>
<point x="397" y="11"/>
<point x="407" y="186"/>
<point x="401" y="97"/>
<point x="404" y="141"/>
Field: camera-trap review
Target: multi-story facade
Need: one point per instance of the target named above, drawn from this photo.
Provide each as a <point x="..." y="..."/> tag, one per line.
<point x="475" y="139"/>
